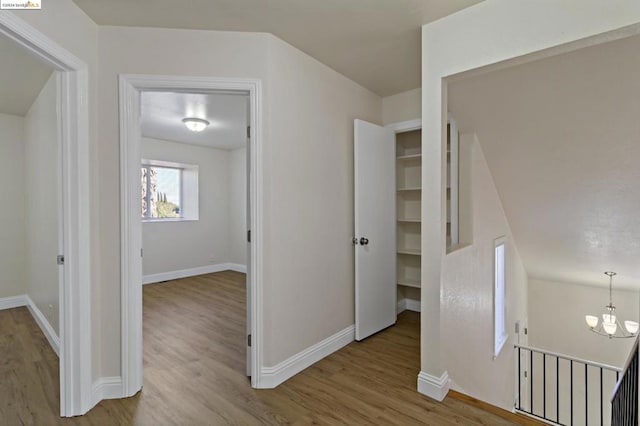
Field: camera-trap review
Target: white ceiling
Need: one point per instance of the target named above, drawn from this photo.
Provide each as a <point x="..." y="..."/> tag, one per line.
<point x="162" y="114"/>
<point x="374" y="42"/>
<point x="21" y="79"/>
<point x="561" y="137"/>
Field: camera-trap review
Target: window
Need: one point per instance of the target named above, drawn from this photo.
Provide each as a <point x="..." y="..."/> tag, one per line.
<point x="499" y="297"/>
<point x="169" y="191"/>
<point x="161" y="192"/>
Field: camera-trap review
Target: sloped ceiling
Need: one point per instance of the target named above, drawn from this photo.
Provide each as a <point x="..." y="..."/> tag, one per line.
<point x="22" y="77"/>
<point x="376" y="43"/>
<point x="562" y="139"/>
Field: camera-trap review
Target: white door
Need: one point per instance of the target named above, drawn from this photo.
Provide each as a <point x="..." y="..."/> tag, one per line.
<point x="375" y="228"/>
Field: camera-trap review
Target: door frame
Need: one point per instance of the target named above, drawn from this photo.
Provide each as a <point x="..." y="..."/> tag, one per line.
<point x="75" y="350"/>
<point x="130" y="86"/>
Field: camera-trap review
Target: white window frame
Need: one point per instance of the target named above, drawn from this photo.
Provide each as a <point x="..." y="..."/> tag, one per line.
<point x="189" y="189"/>
<point x="500" y="334"/>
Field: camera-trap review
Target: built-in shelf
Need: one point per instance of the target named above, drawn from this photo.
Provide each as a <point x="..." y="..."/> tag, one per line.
<point x="411" y="252"/>
<point x="409" y="283"/>
<point x="409" y="157"/>
<point x="408" y="211"/>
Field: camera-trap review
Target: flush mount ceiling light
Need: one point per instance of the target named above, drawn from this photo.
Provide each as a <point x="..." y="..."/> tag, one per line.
<point x="195" y="124"/>
<point x="610" y="325"/>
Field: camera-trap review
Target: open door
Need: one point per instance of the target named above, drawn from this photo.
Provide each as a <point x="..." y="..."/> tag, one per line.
<point x="375" y="228"/>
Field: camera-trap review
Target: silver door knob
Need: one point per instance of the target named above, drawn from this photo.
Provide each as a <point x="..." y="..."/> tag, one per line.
<point x="364" y="241"/>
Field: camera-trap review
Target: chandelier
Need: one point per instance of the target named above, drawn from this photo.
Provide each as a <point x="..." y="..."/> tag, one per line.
<point x="610" y="325"/>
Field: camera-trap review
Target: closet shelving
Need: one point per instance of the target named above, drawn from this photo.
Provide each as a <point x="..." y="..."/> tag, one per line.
<point x="409" y="178"/>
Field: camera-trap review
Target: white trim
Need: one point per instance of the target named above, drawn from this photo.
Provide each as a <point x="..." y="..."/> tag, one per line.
<point x="412" y="305"/>
<point x="236" y="267"/>
<point x="273" y="376"/>
<point x="433" y="386"/>
<point x="408" y="305"/>
<point x="402" y="306"/>
<point x="191" y="272"/>
<point x="453" y="181"/>
<point x="13" y="302"/>
<point x="130" y="87"/>
<point x="44" y="325"/>
<point x="405" y="126"/>
<point x="75" y="287"/>
<point x="106" y="388"/>
<point x="38" y="317"/>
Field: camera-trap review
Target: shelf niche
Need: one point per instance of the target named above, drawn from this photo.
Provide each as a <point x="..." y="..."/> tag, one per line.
<point x="408" y="210"/>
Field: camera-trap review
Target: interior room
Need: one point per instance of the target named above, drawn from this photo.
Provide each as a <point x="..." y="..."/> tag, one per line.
<point x="194" y="220"/>
<point x="30" y="238"/>
<point x="436" y="222"/>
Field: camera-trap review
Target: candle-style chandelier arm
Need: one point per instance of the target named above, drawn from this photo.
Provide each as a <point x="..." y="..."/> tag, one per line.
<point x="610" y="325"/>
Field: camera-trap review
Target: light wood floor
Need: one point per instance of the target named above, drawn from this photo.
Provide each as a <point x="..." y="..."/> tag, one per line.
<point x="194" y="331"/>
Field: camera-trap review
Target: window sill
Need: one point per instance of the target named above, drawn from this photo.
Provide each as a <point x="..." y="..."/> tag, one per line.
<point x="500" y="345"/>
<point x="169" y="219"/>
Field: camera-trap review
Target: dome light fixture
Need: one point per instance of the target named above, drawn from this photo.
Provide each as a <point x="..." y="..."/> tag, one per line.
<point x="610" y="326"/>
<point x="195" y="124"/>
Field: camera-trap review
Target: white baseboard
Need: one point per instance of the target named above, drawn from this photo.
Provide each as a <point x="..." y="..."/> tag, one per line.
<point x="237" y="267"/>
<point x="273" y="376"/>
<point x="44" y="325"/>
<point x="13" y="302"/>
<point x="433" y="386"/>
<point x="106" y="388"/>
<point x="408" y="305"/>
<point x="184" y="273"/>
<point x="413" y="305"/>
<point x="38" y="316"/>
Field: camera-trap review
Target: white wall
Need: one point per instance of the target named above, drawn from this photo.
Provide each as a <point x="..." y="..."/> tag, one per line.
<point x="125" y="50"/>
<point x="71" y="28"/>
<point x="12" y="232"/>
<point x="308" y="257"/>
<point x="173" y="246"/>
<point x="467" y="298"/>
<point x="307" y="175"/>
<point x="402" y="106"/>
<point x="42" y="202"/>
<point x="556" y="319"/>
<point x="238" y="206"/>
<point x="487" y="33"/>
<point x="308" y="149"/>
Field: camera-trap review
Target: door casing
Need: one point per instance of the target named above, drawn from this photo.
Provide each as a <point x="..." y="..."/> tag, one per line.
<point x="131" y="226"/>
<point x="75" y="352"/>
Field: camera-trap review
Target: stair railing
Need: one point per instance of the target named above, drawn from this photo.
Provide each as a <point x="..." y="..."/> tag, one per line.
<point x="563" y="390"/>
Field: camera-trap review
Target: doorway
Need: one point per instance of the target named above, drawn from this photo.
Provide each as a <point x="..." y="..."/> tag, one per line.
<point x="57" y="262"/>
<point x="387" y="241"/>
<point x="132" y="89"/>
